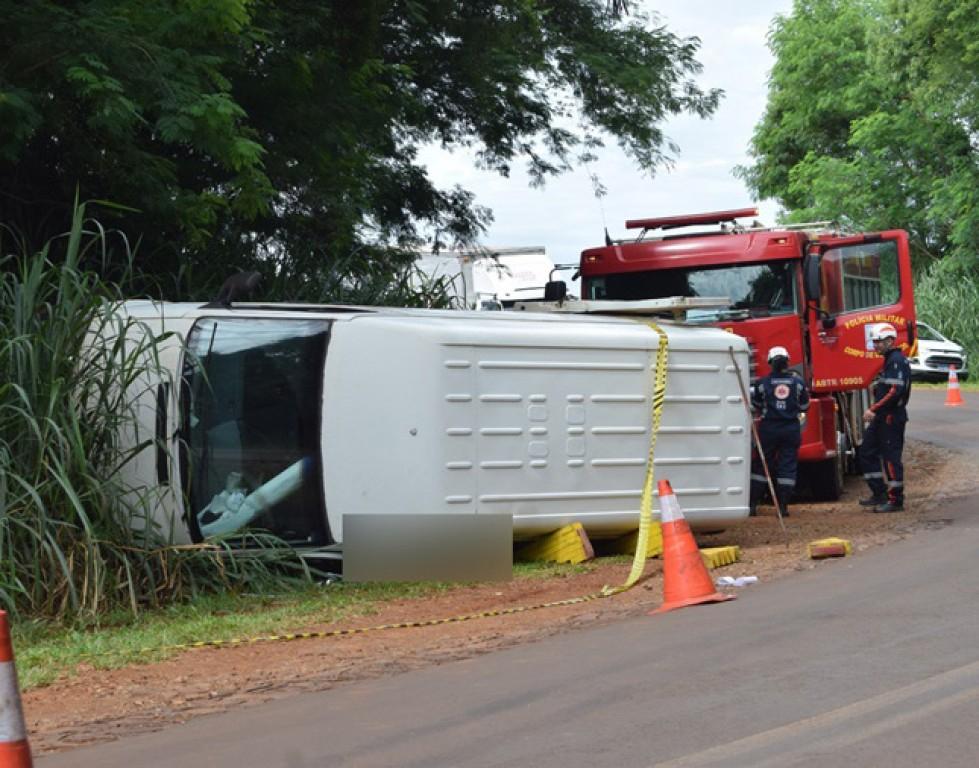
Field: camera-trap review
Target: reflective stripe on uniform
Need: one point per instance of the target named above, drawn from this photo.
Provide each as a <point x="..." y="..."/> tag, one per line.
<point x="786" y="481"/>
<point x="759" y="478"/>
<point x="895" y="484"/>
<point x="873" y="475"/>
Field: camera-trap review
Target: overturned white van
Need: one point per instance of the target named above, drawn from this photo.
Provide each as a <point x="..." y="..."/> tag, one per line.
<point x="287" y="418"/>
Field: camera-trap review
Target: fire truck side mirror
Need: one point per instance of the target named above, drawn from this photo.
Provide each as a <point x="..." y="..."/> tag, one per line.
<point x="810" y="280"/>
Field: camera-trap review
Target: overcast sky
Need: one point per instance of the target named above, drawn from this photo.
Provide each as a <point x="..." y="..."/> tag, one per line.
<point x="565" y="217"/>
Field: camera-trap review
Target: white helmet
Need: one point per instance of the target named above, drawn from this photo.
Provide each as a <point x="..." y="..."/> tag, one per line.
<point x="777" y="352"/>
<point x="883" y="331"/>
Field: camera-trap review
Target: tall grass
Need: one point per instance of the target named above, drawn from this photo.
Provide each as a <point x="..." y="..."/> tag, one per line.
<point x="947" y="297"/>
<point x="75" y="542"/>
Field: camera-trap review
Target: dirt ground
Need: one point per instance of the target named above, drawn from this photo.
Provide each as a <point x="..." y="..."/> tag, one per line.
<point x="97" y="706"/>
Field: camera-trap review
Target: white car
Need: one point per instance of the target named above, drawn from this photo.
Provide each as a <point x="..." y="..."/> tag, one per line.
<point x="936" y="354"/>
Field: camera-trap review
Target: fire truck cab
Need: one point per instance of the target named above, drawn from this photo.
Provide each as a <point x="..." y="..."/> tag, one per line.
<point x="809" y="288"/>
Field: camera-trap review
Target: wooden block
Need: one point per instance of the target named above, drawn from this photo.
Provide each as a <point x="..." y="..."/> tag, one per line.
<point x="831" y="547"/>
<point x="715" y="557"/>
<point x="626" y="545"/>
<point x="565" y="545"/>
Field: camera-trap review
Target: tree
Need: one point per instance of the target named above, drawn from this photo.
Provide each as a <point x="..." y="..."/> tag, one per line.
<point x="283" y="135"/>
<point x="818" y="86"/>
<point x="872" y="120"/>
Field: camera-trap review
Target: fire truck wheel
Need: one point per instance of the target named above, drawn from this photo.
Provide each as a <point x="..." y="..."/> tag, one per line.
<point x="826" y="478"/>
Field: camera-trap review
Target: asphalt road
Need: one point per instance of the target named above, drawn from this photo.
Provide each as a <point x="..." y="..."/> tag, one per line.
<point x="866" y="661"/>
<point x="956" y="428"/>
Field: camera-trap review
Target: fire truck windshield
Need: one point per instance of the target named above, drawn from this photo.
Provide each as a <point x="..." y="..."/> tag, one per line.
<point x="753" y="290"/>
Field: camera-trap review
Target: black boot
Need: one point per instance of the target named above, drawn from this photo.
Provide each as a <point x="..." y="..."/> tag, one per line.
<point x="890" y="506"/>
<point x="873" y="501"/>
<point x="783" y="504"/>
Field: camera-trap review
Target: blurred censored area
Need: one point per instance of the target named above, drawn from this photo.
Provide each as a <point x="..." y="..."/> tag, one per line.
<point x="433" y="547"/>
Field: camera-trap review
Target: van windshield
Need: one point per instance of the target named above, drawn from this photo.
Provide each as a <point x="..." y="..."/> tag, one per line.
<point x="253" y="390"/>
<point x="752" y="290"/>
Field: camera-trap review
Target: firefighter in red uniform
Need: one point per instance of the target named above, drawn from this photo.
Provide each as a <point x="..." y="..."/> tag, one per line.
<point x="883" y="441"/>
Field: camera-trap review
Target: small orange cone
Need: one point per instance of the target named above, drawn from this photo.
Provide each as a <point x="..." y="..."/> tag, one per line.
<point x="686" y="580"/>
<point x="954" y="396"/>
<point x="15" y="752"/>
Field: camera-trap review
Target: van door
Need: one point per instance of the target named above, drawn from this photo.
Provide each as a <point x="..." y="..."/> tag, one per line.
<point x="851" y="284"/>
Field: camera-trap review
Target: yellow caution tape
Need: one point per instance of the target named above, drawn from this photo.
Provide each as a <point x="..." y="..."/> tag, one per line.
<point x="238" y="641"/>
<point x="646" y="504"/>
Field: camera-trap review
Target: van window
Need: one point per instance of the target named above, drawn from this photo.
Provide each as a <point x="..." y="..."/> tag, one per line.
<point x="253" y="390"/>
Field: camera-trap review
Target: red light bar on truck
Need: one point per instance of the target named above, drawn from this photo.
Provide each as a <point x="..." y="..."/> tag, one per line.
<point x="672" y="222"/>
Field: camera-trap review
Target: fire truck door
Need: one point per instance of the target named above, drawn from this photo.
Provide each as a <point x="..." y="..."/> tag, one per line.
<point x="852" y="283"/>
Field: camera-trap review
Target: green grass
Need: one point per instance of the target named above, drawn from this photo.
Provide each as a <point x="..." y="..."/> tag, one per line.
<point x="965" y="386"/>
<point x="48" y="651"/>
<point x="947" y="297"/>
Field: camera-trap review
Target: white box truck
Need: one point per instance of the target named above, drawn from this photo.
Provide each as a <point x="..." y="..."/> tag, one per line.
<point x="288" y="418"/>
<point x="486" y="278"/>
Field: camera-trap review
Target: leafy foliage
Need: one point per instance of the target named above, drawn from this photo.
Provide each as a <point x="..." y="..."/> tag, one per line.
<point x="284" y="135"/>
<point x="75" y="541"/>
<point x="818" y="86"/>
<point x="872" y="114"/>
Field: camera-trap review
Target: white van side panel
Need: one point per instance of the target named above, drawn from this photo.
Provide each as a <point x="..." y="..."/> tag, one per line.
<point x="548" y="421"/>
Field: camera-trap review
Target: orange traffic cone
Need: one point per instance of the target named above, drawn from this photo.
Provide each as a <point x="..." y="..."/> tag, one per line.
<point x="15" y="752"/>
<point x="686" y="580"/>
<point x="954" y="396"/>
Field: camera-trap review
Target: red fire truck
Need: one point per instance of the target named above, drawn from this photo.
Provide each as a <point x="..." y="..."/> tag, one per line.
<point x="811" y="289"/>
